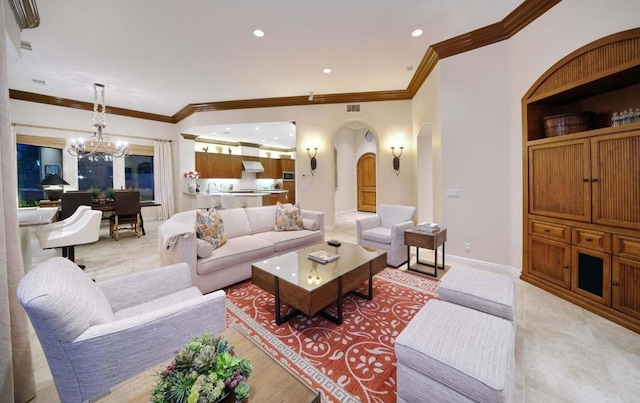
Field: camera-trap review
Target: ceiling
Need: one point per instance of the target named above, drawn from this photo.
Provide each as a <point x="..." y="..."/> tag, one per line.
<point x="158" y="56"/>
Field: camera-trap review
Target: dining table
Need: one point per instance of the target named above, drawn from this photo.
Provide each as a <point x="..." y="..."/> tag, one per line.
<point x="110" y="207"/>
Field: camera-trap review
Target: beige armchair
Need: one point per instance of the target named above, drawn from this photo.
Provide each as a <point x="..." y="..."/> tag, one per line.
<point x="385" y="231"/>
<point x="96" y="335"/>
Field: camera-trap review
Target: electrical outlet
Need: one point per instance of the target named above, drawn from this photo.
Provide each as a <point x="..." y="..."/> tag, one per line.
<point x="467" y="247"/>
<point x="453" y="193"/>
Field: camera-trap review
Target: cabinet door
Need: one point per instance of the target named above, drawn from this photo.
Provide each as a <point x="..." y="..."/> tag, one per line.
<point x="288" y="165"/>
<point x="203" y="164"/>
<point x="591" y="274"/>
<point x="550" y="260"/>
<point x="615" y="161"/>
<point x="559" y="180"/>
<point x="291" y="187"/>
<point x="626" y="286"/>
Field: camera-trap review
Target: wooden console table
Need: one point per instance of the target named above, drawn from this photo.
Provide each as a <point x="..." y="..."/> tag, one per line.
<point x="426" y="240"/>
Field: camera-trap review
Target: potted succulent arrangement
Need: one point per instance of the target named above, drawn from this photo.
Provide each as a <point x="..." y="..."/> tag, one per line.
<point x="206" y="370"/>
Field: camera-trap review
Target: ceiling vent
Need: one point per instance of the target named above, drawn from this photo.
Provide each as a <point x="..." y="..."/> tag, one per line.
<point x="26" y="46"/>
<point x="353" y="108"/>
<point x="39" y="82"/>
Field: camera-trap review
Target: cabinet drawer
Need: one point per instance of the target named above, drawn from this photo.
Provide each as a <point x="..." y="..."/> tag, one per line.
<point x="596" y="240"/>
<point x="553" y="231"/>
<point x="626" y="246"/>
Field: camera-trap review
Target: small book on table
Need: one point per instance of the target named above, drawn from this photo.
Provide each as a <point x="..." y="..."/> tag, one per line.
<point x="322" y="256"/>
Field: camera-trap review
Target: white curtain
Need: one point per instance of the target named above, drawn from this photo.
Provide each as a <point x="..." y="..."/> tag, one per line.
<point x="17" y="383"/>
<point x="163" y="177"/>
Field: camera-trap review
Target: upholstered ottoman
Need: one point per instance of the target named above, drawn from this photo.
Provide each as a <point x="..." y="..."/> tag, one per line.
<point x="480" y="289"/>
<point x="450" y="353"/>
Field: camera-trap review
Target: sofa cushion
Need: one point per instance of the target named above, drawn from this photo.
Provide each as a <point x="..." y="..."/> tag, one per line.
<point x="288" y="218"/>
<point x="480" y="289"/>
<point x="58" y="292"/>
<point x="204" y="248"/>
<point x="237" y="250"/>
<point x="467" y="350"/>
<point x="262" y="218"/>
<point x="159" y="303"/>
<point x="377" y="234"/>
<point x="310" y="224"/>
<point x="236" y="222"/>
<point x="210" y="228"/>
<point x="287" y="240"/>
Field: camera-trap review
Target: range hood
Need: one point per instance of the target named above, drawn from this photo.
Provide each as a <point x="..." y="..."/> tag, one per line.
<point x="252" y="166"/>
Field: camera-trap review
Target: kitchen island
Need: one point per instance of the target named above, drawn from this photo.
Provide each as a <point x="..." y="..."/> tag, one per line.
<point x="245" y="197"/>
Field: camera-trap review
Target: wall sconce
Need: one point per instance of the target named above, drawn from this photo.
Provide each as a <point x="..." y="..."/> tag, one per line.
<point x="396" y="160"/>
<point x="314" y="162"/>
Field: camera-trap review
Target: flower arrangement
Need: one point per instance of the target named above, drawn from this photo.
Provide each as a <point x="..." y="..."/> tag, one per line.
<point x="191" y="175"/>
<point x="203" y="371"/>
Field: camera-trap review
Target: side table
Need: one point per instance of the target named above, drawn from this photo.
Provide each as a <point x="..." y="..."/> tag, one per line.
<point x="426" y="240"/>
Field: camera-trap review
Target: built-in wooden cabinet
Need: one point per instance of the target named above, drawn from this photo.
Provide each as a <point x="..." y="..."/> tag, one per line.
<point x="582" y="190"/>
<point x="218" y="165"/>
<point x="288" y="165"/>
<point x="291" y="187"/>
<point x="272" y="169"/>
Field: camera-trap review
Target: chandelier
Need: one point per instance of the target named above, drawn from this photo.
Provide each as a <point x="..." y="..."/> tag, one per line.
<point x="99" y="146"/>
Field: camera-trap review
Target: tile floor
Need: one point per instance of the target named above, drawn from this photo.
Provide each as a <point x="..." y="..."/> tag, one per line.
<point x="563" y="352"/>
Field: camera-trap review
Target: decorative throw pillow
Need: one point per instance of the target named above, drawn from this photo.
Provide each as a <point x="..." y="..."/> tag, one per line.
<point x="210" y="228"/>
<point x="288" y="218"/>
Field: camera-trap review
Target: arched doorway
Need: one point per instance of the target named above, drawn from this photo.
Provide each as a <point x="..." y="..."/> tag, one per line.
<point x="366" y="169"/>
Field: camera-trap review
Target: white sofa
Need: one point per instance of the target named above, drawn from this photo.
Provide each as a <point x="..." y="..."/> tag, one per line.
<point x="250" y="238"/>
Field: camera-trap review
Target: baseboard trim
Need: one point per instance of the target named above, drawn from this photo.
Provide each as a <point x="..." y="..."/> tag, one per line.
<point x="484" y="265"/>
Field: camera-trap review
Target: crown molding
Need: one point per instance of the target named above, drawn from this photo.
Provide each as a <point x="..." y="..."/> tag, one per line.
<point x="87" y="106"/>
<point x="188" y="136"/>
<point x="319" y="99"/>
<point x="519" y="18"/>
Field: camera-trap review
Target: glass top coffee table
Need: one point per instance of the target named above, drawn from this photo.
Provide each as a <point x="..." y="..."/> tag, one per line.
<point x="309" y="286"/>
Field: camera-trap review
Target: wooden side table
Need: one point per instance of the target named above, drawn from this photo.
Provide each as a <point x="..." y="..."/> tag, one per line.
<point x="426" y="240"/>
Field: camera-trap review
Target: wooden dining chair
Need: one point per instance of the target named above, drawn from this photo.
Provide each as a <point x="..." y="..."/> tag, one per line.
<point x="126" y="216"/>
<point x="71" y="201"/>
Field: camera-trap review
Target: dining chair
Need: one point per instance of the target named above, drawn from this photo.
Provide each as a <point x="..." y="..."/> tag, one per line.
<point x="126" y="216"/>
<point x="71" y="201"/>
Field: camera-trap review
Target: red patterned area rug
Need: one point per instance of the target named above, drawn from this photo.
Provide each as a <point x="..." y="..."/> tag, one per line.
<point x="351" y="362"/>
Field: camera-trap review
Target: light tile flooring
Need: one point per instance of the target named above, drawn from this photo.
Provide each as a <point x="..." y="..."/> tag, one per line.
<point x="563" y="353"/>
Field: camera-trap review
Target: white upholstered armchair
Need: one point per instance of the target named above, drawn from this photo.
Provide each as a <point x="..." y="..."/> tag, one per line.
<point x="96" y="335"/>
<point x="385" y="231"/>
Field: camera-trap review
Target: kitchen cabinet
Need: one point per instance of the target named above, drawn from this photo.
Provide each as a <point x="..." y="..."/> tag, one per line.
<point x="581" y="238"/>
<point x="272" y="169"/>
<point x="288" y="165"/>
<point x="291" y="187"/>
<point x="218" y="165"/>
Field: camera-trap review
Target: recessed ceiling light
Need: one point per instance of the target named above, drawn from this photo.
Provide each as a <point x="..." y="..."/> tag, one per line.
<point x="326" y="71"/>
<point x="213" y="133"/>
<point x="257" y="128"/>
<point x="227" y="129"/>
<point x="290" y="134"/>
<point x="275" y="138"/>
<point x="416" y="33"/>
<point x="258" y="33"/>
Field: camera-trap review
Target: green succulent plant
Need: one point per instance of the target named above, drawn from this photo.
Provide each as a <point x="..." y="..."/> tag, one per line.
<point x="184" y="359"/>
<point x="242" y="391"/>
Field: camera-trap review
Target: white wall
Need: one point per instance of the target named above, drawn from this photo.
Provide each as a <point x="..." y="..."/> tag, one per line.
<point x="345" y="196"/>
<point x="316" y="126"/>
<point x="480" y="96"/>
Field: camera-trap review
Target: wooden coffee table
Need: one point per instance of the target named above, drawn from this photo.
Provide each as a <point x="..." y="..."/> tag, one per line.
<point x="270" y="381"/>
<point x="309" y="286"/>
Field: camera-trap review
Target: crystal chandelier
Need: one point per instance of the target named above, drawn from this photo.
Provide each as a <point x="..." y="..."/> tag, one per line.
<point x="99" y="147"/>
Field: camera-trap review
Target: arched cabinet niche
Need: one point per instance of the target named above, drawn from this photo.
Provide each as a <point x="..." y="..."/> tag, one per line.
<point x="581" y="192"/>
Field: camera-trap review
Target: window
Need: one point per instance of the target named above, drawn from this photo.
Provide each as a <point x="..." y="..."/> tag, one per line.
<point x="96" y="176"/>
<point x="138" y="174"/>
<point x="34" y="162"/>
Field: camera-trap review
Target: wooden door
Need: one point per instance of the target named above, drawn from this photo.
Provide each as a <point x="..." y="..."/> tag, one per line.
<point x="560" y="180"/>
<point x="625" y="285"/>
<point x="367" y="183"/>
<point x="550" y="260"/>
<point x="615" y="161"/>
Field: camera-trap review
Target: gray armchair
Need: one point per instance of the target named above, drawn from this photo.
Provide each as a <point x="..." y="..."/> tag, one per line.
<point x="96" y="335"/>
<point x="385" y="231"/>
